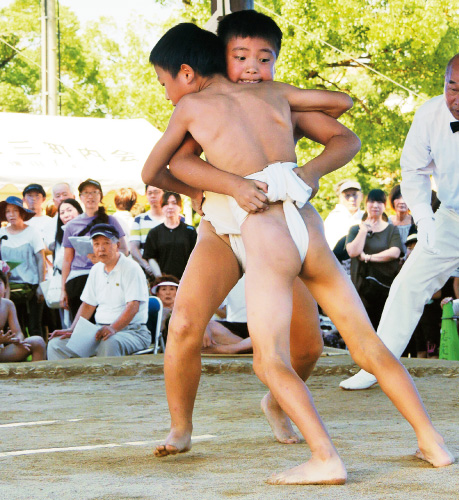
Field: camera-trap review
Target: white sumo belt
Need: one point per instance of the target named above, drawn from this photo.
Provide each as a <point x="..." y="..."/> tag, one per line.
<point x="284" y="185"/>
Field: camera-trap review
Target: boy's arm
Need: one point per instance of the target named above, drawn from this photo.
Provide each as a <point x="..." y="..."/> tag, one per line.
<point x="329" y="102"/>
<point x="341" y="145"/>
<point x="187" y="166"/>
<point x="155" y="171"/>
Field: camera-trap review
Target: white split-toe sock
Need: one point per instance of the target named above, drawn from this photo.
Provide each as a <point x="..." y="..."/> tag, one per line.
<point x="361" y="380"/>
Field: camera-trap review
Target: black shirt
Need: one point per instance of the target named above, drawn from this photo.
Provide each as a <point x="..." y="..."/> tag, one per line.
<point x="171" y="248"/>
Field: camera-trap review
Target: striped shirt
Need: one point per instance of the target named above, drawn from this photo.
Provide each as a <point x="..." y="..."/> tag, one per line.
<point x="141" y="226"/>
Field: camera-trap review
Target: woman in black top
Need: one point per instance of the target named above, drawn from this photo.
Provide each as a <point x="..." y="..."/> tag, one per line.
<point x="374" y="247"/>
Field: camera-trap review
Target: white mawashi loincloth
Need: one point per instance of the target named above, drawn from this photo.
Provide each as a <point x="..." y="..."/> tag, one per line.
<point x="226" y="216"/>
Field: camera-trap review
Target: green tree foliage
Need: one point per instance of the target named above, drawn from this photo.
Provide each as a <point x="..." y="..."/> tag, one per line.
<point x="408" y="41"/>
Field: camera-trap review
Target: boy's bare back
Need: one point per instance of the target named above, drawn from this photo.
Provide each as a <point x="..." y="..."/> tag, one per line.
<point x="241" y="128"/>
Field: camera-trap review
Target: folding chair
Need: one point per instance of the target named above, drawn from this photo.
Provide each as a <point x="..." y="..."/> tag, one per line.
<point x="155" y="315"/>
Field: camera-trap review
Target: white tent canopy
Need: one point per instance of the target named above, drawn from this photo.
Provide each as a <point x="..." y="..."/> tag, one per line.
<point x="52" y="149"/>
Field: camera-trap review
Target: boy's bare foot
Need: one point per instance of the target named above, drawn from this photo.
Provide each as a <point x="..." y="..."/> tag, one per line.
<point x="278" y="420"/>
<point x="176" y="442"/>
<point x="314" y="471"/>
<point x="438" y="456"/>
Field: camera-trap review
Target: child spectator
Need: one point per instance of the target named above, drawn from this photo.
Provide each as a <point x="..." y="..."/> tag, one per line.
<point x="13" y="346"/>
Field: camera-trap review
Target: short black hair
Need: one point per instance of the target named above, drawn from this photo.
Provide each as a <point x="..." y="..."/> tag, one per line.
<point x="250" y="24"/>
<point x="186" y="43"/>
<point x="167" y="195"/>
<point x="377" y="195"/>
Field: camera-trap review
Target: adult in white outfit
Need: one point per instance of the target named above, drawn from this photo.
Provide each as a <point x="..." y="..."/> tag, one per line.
<point x="431" y="148"/>
<point x="347" y="212"/>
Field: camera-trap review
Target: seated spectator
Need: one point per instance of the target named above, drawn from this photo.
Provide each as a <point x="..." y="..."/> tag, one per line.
<point x="125" y="199"/>
<point x="13" y="345"/>
<point x="374" y="247"/>
<point x="142" y="225"/>
<point x="116" y="291"/>
<point x="169" y="245"/>
<point x="24" y="246"/>
<point x="165" y="288"/>
<point x="231" y="335"/>
<point x="76" y="267"/>
<point x="34" y="197"/>
<point x="402" y="218"/>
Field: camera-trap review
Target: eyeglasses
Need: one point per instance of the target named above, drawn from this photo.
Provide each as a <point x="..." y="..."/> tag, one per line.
<point x="90" y="193"/>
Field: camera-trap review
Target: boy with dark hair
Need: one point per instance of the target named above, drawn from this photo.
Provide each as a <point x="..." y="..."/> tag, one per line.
<point x="242" y="129"/>
<point x="250" y="24"/>
<point x="186" y="42"/>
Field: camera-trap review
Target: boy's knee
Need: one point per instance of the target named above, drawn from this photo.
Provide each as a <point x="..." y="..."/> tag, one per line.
<point x="37" y="342"/>
<point x="182" y="329"/>
<point x="371" y="354"/>
<point x="267" y="364"/>
<point x="309" y="354"/>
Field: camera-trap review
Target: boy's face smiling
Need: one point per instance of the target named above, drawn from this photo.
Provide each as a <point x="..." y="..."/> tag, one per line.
<point x="250" y="60"/>
<point x="176" y="87"/>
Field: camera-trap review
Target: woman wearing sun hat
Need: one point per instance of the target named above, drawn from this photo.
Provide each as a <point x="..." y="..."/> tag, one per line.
<point x="24" y="244"/>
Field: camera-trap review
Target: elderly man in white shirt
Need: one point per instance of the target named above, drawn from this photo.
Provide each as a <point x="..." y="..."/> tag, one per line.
<point x="431" y="148"/>
<point x="117" y="292"/>
<point x="347" y="212"/>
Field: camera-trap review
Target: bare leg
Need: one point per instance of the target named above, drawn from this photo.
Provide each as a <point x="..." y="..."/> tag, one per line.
<point x="17" y="352"/>
<point x="369" y="352"/>
<point x="220" y="334"/>
<point x="212" y="267"/>
<point x="271" y="270"/>
<point x="306" y="343"/>
<point x="38" y="348"/>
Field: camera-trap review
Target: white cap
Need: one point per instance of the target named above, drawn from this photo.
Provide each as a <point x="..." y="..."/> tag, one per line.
<point x="163" y="283"/>
<point x="350" y="185"/>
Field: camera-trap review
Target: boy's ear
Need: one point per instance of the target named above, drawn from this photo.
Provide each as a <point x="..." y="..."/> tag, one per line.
<point x="187" y="72"/>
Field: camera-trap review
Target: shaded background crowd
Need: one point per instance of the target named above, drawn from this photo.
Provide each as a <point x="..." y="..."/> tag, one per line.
<point x="43" y="253"/>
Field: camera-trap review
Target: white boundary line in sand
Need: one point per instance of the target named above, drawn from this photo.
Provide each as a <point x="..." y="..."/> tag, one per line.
<point x="95" y="447"/>
<point x="39" y="422"/>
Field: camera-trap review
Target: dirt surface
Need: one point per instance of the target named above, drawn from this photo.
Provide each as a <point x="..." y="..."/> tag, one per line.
<point x="120" y="418"/>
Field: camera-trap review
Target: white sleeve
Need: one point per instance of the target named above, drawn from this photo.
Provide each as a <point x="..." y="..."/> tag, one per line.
<point x="135" y="287"/>
<point x="88" y="295"/>
<point x="417" y="167"/>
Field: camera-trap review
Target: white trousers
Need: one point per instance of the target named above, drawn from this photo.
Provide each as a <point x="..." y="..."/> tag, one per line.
<point x="421" y="276"/>
<point x="133" y="338"/>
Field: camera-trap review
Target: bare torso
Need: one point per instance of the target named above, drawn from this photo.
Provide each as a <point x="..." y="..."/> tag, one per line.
<point x="242" y="128"/>
<point x="4" y="312"/>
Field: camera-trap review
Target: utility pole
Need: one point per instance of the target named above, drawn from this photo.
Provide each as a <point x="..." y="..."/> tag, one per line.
<point x="220" y="8"/>
<point x="48" y="57"/>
